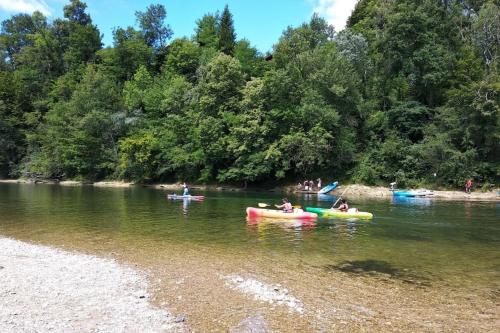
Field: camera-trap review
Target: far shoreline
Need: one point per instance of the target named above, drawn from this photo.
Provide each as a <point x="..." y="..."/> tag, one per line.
<point x="353" y="190"/>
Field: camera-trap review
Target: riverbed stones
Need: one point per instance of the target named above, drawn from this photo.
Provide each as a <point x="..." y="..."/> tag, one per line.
<point x="45" y="289"/>
<point x="270" y="293"/>
<point x="253" y="324"/>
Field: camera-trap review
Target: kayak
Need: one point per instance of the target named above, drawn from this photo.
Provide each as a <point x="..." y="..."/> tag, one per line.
<point x="273" y="213"/>
<point x="413" y="193"/>
<point x="329" y="188"/>
<point x="292" y="223"/>
<point x="185" y="197"/>
<point x="328" y="212"/>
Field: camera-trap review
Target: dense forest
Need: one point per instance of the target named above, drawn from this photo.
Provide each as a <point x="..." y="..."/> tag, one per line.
<point x="409" y="91"/>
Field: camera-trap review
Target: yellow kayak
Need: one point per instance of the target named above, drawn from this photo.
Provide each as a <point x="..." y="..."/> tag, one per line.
<point x="328" y="212"/>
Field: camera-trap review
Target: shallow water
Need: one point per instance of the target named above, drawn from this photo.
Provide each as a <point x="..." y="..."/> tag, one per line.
<point x="426" y="240"/>
<point x="419" y="265"/>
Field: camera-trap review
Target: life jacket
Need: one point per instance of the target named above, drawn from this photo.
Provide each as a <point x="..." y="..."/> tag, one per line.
<point x="288" y="207"/>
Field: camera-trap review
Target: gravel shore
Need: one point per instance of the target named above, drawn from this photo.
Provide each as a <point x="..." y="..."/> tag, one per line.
<point x="44" y="289"/>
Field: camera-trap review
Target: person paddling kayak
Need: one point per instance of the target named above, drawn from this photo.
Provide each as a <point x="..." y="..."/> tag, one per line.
<point x="286" y="206"/>
<point x="344" y="207"/>
<point x="186" y="189"/>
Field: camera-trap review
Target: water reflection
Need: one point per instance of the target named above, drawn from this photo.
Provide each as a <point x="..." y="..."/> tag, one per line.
<point x="411" y="201"/>
<point x="468" y="209"/>
<point x="185" y="205"/>
<point x="283" y="223"/>
<point x="319" y="197"/>
<point x="408" y="232"/>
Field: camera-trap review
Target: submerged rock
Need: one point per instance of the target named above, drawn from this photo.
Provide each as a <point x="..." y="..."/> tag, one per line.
<point x="254" y="324"/>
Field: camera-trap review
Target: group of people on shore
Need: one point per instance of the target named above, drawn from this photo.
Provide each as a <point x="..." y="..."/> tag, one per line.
<point x="309" y="185"/>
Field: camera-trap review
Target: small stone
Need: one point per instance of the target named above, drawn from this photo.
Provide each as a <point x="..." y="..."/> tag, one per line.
<point x="255" y="324"/>
<point x="180" y="319"/>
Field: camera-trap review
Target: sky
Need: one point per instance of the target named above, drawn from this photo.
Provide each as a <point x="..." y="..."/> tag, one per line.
<point x="259" y="21"/>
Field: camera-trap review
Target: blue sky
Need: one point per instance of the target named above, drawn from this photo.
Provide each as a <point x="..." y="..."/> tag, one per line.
<point x="260" y="21"/>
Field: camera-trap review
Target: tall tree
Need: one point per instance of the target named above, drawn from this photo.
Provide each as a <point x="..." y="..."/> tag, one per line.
<point x="17" y="32"/>
<point x="206" y="31"/>
<point x="227" y="36"/>
<point x="152" y="24"/>
<point x="75" y="12"/>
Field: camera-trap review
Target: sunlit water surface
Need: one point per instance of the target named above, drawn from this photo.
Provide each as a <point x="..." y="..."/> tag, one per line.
<point x="418" y="239"/>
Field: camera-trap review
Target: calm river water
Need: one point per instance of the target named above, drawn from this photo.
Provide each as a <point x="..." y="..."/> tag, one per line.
<point x="418" y="241"/>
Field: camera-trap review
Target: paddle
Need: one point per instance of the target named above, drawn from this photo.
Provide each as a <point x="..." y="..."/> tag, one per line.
<point x="263" y="205"/>
<point x="340" y="197"/>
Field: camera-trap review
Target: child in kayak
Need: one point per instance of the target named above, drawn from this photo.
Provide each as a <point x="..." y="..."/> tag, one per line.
<point x="286" y="206"/>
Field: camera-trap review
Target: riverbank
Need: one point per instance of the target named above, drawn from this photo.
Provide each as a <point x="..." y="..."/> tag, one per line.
<point x="347" y="190"/>
<point x="46" y="289"/>
<point x="382" y="192"/>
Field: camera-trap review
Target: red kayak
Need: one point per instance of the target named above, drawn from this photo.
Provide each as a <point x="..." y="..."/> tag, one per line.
<point x="298" y="214"/>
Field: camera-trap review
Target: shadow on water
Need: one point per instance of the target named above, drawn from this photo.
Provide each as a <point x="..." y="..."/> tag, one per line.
<point x="378" y="267"/>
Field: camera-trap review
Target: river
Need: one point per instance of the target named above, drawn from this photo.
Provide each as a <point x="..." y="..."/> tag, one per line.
<point x="420" y="264"/>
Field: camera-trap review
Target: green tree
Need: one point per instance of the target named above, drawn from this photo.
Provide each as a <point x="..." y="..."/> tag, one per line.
<point x="80" y="136"/>
<point x="252" y="63"/>
<point x="152" y="24"/>
<point x="17" y="32"/>
<point x="227" y="36"/>
<point x="75" y="12"/>
<point x="183" y="58"/>
<point x="206" y="31"/>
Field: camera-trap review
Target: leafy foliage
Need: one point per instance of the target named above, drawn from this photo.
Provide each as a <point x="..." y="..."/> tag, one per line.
<point x="409" y="91"/>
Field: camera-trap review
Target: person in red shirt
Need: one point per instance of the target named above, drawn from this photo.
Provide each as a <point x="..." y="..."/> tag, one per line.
<point x="468" y="186"/>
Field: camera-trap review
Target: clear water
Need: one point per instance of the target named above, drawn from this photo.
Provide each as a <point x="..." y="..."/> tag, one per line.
<point x="414" y="239"/>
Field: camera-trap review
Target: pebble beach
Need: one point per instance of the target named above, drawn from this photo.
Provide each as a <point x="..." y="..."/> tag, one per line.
<point x="44" y="289"/>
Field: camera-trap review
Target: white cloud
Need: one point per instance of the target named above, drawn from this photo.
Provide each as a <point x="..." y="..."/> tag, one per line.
<point x="25" y="6"/>
<point x="336" y="12"/>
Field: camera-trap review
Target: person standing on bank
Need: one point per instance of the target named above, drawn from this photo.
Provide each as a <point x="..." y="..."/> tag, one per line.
<point x="468" y="186"/>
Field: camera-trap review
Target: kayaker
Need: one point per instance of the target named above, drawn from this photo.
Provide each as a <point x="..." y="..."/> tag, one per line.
<point x="319" y="183"/>
<point x="286" y="206"/>
<point x="186" y="190"/>
<point x="344" y="207"/>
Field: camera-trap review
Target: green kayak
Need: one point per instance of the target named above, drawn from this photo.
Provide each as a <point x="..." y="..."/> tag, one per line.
<point x="328" y="212"/>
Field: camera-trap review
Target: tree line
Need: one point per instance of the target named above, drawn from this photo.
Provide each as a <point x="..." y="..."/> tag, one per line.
<point x="409" y="91"/>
